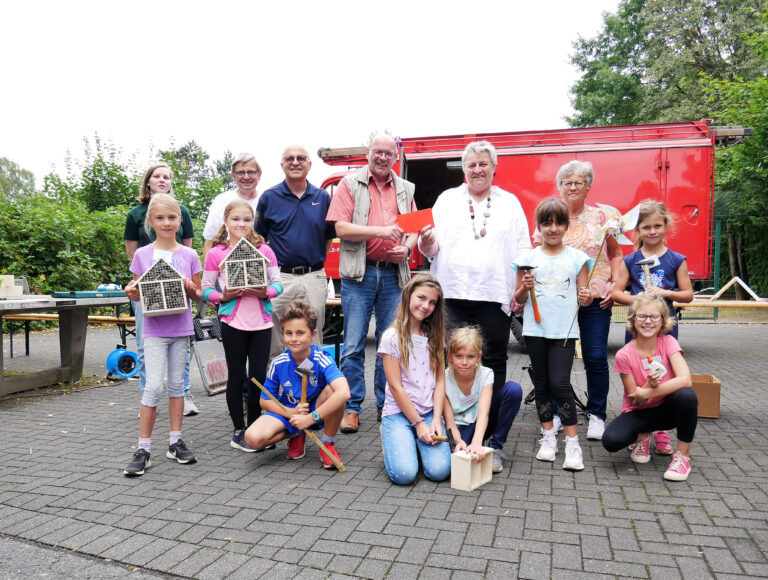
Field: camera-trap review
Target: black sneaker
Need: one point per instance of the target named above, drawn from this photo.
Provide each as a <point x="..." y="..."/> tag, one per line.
<point x="180" y="453"/>
<point x="138" y="464"/>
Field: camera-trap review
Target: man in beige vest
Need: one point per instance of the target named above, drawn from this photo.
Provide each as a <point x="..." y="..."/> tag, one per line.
<point x="373" y="262"/>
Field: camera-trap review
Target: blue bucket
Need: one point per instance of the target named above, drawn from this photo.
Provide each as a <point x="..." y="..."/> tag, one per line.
<point x="330" y="349"/>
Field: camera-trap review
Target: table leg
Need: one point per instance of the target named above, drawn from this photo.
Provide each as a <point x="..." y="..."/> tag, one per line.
<point x="73" y="325"/>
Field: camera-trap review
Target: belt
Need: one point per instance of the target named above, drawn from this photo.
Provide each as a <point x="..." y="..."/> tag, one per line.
<point x="299" y="270"/>
<point x="381" y="264"/>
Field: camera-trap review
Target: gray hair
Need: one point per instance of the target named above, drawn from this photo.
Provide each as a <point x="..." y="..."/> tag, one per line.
<point x="245" y="158"/>
<point x="376" y="134"/>
<point x="478" y="147"/>
<point x="575" y="167"/>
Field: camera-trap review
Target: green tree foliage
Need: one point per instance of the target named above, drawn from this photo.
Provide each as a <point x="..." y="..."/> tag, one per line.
<point x="100" y="181"/>
<point x="197" y="179"/>
<point x="742" y="171"/>
<point x="14" y="180"/>
<point x="646" y="64"/>
<point x="59" y="244"/>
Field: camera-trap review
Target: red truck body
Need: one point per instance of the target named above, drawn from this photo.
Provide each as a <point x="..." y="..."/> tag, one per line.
<point x="672" y="163"/>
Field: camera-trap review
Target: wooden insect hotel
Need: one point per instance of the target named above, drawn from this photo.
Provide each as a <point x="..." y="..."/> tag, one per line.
<point x="162" y="290"/>
<point x="467" y="474"/>
<point x="245" y="266"/>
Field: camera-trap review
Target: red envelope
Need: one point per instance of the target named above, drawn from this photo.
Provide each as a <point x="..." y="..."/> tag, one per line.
<point x="415" y="221"/>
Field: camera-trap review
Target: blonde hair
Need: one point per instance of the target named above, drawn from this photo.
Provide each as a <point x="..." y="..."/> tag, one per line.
<point x="649" y="208"/>
<point x="160" y="200"/>
<point x="465" y="337"/>
<point x="433" y="325"/>
<point x="667" y="322"/>
<point x="144" y="192"/>
<point x="222" y="236"/>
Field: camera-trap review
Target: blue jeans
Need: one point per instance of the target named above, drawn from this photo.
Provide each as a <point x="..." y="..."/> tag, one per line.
<point x="400" y="445"/>
<point x="378" y="292"/>
<point x="139" y="316"/>
<point x="594" y="326"/>
<point x="504" y="407"/>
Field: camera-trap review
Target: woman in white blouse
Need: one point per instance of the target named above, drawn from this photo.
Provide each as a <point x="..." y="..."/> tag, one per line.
<point x="479" y="231"/>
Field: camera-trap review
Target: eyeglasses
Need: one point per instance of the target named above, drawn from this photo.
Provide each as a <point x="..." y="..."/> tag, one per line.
<point x="651" y="317"/>
<point x="247" y="173"/>
<point x="570" y="184"/>
<point x="300" y="159"/>
<point x="384" y="154"/>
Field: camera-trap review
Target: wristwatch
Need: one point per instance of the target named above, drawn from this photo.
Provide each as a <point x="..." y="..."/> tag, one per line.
<point x="316" y="417"/>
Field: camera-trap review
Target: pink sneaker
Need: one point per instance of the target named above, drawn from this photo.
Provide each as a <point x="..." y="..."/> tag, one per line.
<point x="296" y="446"/>
<point x="641" y="451"/>
<point x="662" y="443"/>
<point x="679" y="469"/>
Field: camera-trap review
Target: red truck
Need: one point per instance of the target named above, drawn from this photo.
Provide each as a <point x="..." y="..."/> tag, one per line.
<point x="670" y="162"/>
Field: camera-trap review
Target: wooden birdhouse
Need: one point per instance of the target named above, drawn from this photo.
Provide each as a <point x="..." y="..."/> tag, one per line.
<point x="162" y="290"/>
<point x="245" y="266"/>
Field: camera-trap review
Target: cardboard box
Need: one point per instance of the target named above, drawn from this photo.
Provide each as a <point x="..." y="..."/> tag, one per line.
<point x="467" y="474"/>
<point x="707" y="389"/>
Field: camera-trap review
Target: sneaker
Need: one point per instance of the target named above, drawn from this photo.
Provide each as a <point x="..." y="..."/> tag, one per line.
<point x="327" y="463"/>
<point x="547" y="449"/>
<point x="496" y="464"/>
<point x="596" y="428"/>
<point x="641" y="452"/>
<point x="679" y="469"/>
<point x="296" y="446"/>
<point x="573" y="458"/>
<point x="557" y="425"/>
<point x="662" y="443"/>
<point x="138" y="464"/>
<point x="189" y="406"/>
<point x="238" y="442"/>
<point x="180" y="453"/>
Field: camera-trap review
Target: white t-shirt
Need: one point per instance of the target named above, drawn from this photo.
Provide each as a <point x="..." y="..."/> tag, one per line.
<point x="216" y="211"/>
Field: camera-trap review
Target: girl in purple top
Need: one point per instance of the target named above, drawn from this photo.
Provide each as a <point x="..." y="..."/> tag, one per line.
<point x="246" y="316"/>
<point x="166" y="338"/>
<point x="412" y="353"/>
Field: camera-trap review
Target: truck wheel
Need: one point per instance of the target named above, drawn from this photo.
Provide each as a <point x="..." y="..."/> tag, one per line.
<point x="516" y="326"/>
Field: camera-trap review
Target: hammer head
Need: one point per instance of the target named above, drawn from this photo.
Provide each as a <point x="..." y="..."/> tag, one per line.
<point x="651" y="262"/>
<point x="526" y="268"/>
<point x="305" y="368"/>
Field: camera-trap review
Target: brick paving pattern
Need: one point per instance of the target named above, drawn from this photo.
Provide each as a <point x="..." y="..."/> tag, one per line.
<point x="258" y="515"/>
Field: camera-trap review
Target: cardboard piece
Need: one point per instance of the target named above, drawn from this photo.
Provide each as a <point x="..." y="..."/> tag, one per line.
<point x="467" y="474"/>
<point x="707" y="389"/>
<point x="415" y="221"/>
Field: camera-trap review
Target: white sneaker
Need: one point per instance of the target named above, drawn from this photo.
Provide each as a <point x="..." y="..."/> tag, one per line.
<point x="547" y="449"/>
<point x="573" y="459"/>
<point x="496" y="464"/>
<point x="596" y="428"/>
<point x="557" y="425"/>
<point x="189" y="406"/>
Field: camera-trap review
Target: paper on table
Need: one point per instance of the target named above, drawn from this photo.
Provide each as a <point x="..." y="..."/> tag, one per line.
<point x="415" y="221"/>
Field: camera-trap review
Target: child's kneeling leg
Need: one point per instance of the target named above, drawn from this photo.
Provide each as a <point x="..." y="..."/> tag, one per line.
<point x="398" y="443"/>
<point x="265" y="431"/>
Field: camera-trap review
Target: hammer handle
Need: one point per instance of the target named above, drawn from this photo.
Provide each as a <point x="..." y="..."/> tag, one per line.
<point x="535" y="305"/>
<point x="315" y="438"/>
<point x="647" y="270"/>
<point x="303" y="388"/>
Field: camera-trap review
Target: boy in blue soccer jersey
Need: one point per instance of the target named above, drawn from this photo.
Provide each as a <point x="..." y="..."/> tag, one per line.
<point x="327" y="390"/>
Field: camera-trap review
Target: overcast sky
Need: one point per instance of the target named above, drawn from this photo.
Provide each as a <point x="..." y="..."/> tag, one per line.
<point x="258" y="75"/>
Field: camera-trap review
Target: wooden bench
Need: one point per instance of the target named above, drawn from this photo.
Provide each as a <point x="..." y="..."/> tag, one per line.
<point x="22" y="320"/>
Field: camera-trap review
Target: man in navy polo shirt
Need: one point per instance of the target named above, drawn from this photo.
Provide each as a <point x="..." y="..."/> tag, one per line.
<point x="291" y="217"/>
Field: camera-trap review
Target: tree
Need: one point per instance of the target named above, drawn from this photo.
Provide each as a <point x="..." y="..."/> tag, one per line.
<point x="100" y="180"/>
<point x="646" y="64"/>
<point x="15" y="181"/>
<point x="197" y="180"/>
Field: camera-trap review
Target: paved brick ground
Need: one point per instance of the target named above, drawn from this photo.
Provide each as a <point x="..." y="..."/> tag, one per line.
<point x="253" y="515"/>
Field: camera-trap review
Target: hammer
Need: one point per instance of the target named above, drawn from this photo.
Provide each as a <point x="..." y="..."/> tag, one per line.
<point x="647" y="264"/>
<point x="535" y="305"/>
<point x="305" y="370"/>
